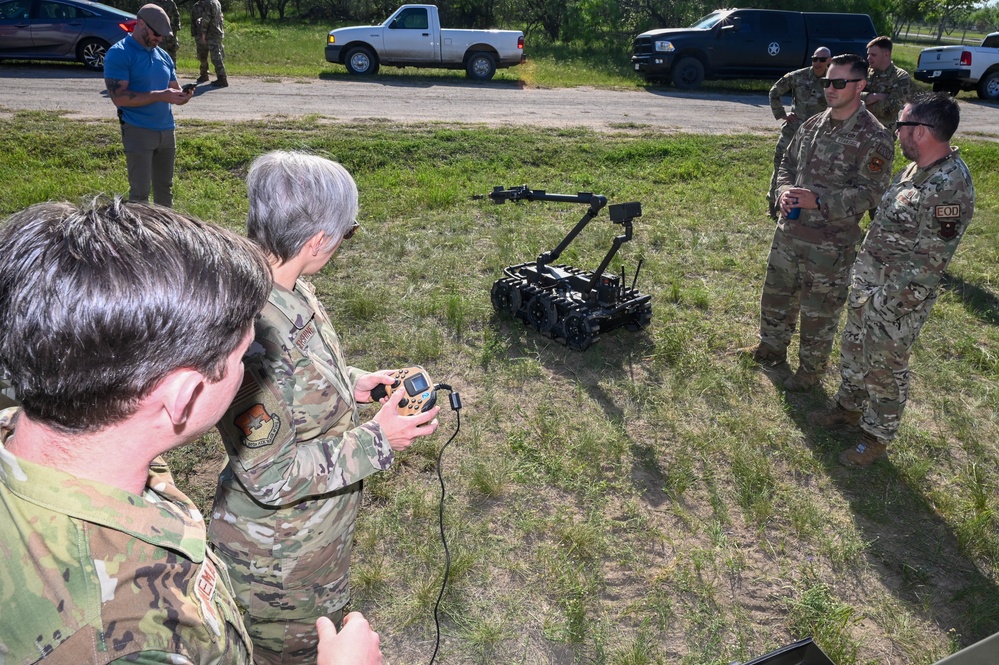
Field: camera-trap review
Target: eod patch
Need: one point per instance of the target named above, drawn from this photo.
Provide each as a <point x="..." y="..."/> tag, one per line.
<point x="948" y="215"/>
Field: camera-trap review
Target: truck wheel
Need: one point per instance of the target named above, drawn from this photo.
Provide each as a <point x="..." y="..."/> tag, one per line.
<point x="950" y="88"/>
<point x="361" y="61"/>
<point x="988" y="87"/>
<point x="688" y="74"/>
<point x="480" y="66"/>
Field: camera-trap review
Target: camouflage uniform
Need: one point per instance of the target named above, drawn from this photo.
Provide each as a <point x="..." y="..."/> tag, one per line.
<point x="896" y="83"/>
<point x="848" y="164"/>
<point x="807" y="99"/>
<point x="169" y="44"/>
<point x="284" y="512"/>
<point x="93" y="574"/>
<point x="207" y="30"/>
<point x="914" y="235"/>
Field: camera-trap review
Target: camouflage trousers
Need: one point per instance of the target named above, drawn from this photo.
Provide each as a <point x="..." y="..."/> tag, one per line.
<point x="214" y="49"/>
<point x="787" y="131"/>
<point x="807" y="278"/>
<point x="169" y="44"/>
<point x="874" y="366"/>
<point x="286" y="642"/>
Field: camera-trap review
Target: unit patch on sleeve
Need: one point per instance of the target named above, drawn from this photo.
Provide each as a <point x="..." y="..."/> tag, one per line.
<point x="258" y="427"/>
<point x="948" y="215"/>
<point x="875" y="165"/>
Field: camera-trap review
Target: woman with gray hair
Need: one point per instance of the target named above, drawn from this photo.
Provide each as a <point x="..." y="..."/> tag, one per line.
<point x="284" y="511"/>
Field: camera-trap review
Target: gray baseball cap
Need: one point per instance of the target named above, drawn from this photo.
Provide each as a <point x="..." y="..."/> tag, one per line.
<point x="157" y="19"/>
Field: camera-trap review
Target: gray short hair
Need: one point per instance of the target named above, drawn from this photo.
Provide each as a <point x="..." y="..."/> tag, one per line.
<point x="293" y="196"/>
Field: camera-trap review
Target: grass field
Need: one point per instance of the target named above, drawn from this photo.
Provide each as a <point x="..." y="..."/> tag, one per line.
<point x="654" y="499"/>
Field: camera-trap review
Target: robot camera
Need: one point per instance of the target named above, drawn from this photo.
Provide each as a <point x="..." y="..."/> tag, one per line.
<point x="625" y="212"/>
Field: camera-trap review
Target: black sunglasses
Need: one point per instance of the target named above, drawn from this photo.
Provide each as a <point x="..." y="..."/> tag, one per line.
<point x="150" y="28"/>
<point x="817" y="59"/>
<point x="351" y="231"/>
<point x="839" y="84"/>
<point x="911" y="123"/>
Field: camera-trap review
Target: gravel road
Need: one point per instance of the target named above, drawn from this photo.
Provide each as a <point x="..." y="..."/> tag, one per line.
<point x="339" y="99"/>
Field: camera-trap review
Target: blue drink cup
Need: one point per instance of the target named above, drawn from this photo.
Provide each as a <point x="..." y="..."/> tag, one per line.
<point x="795" y="212"/>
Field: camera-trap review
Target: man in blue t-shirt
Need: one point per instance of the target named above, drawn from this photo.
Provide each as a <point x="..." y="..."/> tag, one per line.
<point x="142" y="83"/>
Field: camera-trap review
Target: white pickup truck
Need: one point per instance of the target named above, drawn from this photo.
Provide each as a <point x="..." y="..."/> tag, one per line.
<point x="413" y="37"/>
<point x="955" y="68"/>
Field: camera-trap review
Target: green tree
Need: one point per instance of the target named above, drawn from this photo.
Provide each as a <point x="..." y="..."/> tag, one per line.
<point x="947" y="12"/>
<point x="902" y="12"/>
<point x="986" y="18"/>
<point x="544" y="16"/>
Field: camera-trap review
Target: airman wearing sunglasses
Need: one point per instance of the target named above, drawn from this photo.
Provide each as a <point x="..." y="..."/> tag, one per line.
<point x="912" y="239"/>
<point x="806" y="100"/>
<point x="837" y="167"/>
<point x="888" y="86"/>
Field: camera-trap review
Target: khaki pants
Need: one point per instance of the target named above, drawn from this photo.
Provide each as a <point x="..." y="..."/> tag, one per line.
<point x="149" y="155"/>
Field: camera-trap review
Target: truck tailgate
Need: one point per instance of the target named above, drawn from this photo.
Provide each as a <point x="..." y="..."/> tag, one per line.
<point x="945" y="57"/>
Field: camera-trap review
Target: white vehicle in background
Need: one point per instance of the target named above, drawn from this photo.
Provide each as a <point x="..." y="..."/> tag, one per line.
<point x="413" y="37"/>
<point x="955" y="68"/>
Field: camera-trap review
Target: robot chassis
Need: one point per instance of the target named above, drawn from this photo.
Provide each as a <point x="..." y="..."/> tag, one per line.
<point x="569" y="305"/>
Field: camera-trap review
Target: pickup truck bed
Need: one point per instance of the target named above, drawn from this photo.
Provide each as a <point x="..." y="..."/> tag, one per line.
<point x="955" y="68"/>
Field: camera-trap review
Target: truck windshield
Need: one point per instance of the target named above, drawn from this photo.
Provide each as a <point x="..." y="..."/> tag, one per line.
<point x="709" y="21"/>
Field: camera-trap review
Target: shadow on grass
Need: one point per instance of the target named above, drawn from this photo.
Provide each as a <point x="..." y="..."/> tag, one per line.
<point x="916" y="554"/>
<point x="979" y="302"/>
<point x="617" y="355"/>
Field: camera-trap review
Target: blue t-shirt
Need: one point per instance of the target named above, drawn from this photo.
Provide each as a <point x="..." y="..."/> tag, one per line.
<point x="145" y="69"/>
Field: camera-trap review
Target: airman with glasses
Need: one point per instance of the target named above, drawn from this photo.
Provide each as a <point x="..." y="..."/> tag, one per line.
<point x="897" y="275"/>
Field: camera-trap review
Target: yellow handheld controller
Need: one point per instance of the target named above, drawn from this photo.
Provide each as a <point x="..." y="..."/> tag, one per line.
<point x="420" y="394"/>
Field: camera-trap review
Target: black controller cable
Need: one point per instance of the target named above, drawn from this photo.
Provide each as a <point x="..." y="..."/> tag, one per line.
<point x="455" y="400"/>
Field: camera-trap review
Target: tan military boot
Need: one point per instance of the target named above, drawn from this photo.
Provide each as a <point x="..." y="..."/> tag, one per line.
<point x="864" y="453"/>
<point x="802" y="381"/>
<point x="764" y="354"/>
<point x="834" y="417"/>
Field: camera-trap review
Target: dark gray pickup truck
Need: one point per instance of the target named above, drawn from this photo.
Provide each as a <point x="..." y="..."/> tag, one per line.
<point x="746" y="43"/>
